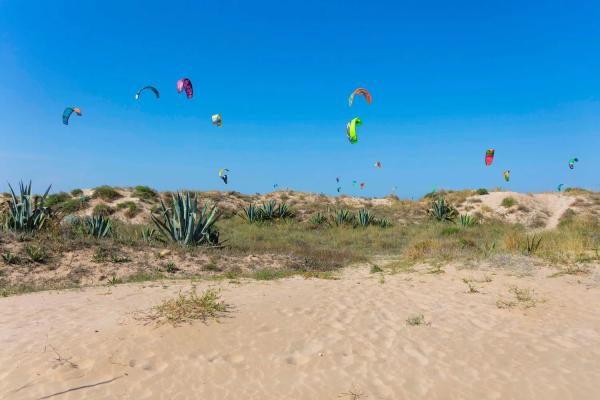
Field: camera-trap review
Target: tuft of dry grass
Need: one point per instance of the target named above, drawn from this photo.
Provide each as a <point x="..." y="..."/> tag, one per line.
<point x="523" y="297"/>
<point x="190" y="307"/>
<point x="416" y="320"/>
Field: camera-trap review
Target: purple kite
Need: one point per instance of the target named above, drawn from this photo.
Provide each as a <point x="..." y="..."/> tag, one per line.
<point x="185" y="84"/>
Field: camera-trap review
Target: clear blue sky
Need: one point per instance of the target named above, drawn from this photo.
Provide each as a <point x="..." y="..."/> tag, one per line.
<point x="448" y="79"/>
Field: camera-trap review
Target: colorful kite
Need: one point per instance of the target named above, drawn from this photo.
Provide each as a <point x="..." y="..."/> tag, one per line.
<point x="217" y="120"/>
<point x="362" y="185"/>
<point x="378" y="164"/>
<point x="361" y="91"/>
<point x="67" y="114"/>
<point x="223" y="174"/>
<point x="572" y="162"/>
<point x="506" y="175"/>
<point x="559" y="187"/>
<point x="185" y="84"/>
<point x="152" y="88"/>
<point x="489" y="157"/>
<point x="351" y="129"/>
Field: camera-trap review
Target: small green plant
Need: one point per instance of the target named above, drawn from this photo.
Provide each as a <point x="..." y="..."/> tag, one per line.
<point x="185" y="224"/>
<point x="148" y="234"/>
<point x="416" y="320"/>
<point x="482" y="191"/>
<point x="285" y="212"/>
<point x="384" y="223"/>
<point x="375" y="269"/>
<point x="76" y="192"/>
<point x="10" y="258"/>
<point x="113" y="280"/>
<point x="36" y="254"/>
<point x="106" y="193"/>
<point x="441" y="210"/>
<point x="466" y="220"/>
<point x="532" y="243"/>
<point x="74" y="205"/>
<point x="508" y="202"/>
<point x="171" y="267"/>
<point x="98" y="226"/>
<point x="318" y="219"/>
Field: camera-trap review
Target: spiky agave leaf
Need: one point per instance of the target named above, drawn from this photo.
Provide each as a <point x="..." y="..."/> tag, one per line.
<point x="26" y="213"/>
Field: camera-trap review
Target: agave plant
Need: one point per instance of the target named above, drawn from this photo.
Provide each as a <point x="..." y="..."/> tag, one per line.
<point x="268" y="211"/>
<point x="26" y="213"/>
<point x="384" y="223"/>
<point x="98" y="226"/>
<point x="148" y="234"/>
<point x="284" y="211"/>
<point x="318" y="219"/>
<point x="185" y="224"/>
<point x="466" y="220"/>
<point x="342" y="217"/>
<point x="250" y="213"/>
<point x="365" y="217"/>
<point x="441" y="210"/>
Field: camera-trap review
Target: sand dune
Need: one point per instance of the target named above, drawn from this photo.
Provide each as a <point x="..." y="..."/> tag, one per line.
<point x="312" y="339"/>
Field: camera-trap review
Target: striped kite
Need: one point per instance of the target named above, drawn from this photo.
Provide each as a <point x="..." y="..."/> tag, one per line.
<point x="185" y="84"/>
<point x="361" y="91"/>
<point x="67" y="114"/>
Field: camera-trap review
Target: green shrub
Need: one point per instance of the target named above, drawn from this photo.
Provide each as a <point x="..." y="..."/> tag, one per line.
<point x="482" y="191"/>
<point x="74" y="205"/>
<point x="365" y="218"/>
<point x="76" y="192"/>
<point x="56" y="198"/>
<point x="318" y="219"/>
<point x="144" y="193"/>
<point x="451" y="230"/>
<point x="102" y="210"/>
<point x="106" y="193"/>
<point x="342" y="217"/>
<point x="508" y="202"/>
<point x="132" y="208"/>
<point x="36" y="254"/>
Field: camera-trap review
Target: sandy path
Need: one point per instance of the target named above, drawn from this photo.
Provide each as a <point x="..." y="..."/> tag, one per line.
<point x="311" y="339"/>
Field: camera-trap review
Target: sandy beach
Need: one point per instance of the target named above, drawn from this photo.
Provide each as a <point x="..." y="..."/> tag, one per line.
<point x="302" y="338"/>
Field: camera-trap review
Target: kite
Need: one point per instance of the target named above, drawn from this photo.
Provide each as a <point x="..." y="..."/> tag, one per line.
<point x="139" y="92"/>
<point x="275" y="186"/>
<point x="354" y="183"/>
<point x="506" y="175"/>
<point x="338" y="189"/>
<point x="217" y="120"/>
<point x="362" y="185"/>
<point x="337" y="179"/>
<point x="489" y="157"/>
<point x="185" y="84"/>
<point x="378" y="164"/>
<point x="351" y="129"/>
<point x="223" y="174"/>
<point x="67" y="114"/>
<point x="360" y="91"/>
<point x="559" y="187"/>
<point x="572" y="162"/>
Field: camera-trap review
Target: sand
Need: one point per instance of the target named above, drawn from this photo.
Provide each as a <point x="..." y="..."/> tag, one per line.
<point x="312" y="339"/>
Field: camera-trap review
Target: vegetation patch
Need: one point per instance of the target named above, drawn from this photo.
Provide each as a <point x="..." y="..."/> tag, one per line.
<point x="106" y="193"/>
<point x="190" y="307"/>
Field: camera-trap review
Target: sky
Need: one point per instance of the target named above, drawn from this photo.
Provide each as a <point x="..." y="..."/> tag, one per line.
<point x="448" y="79"/>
